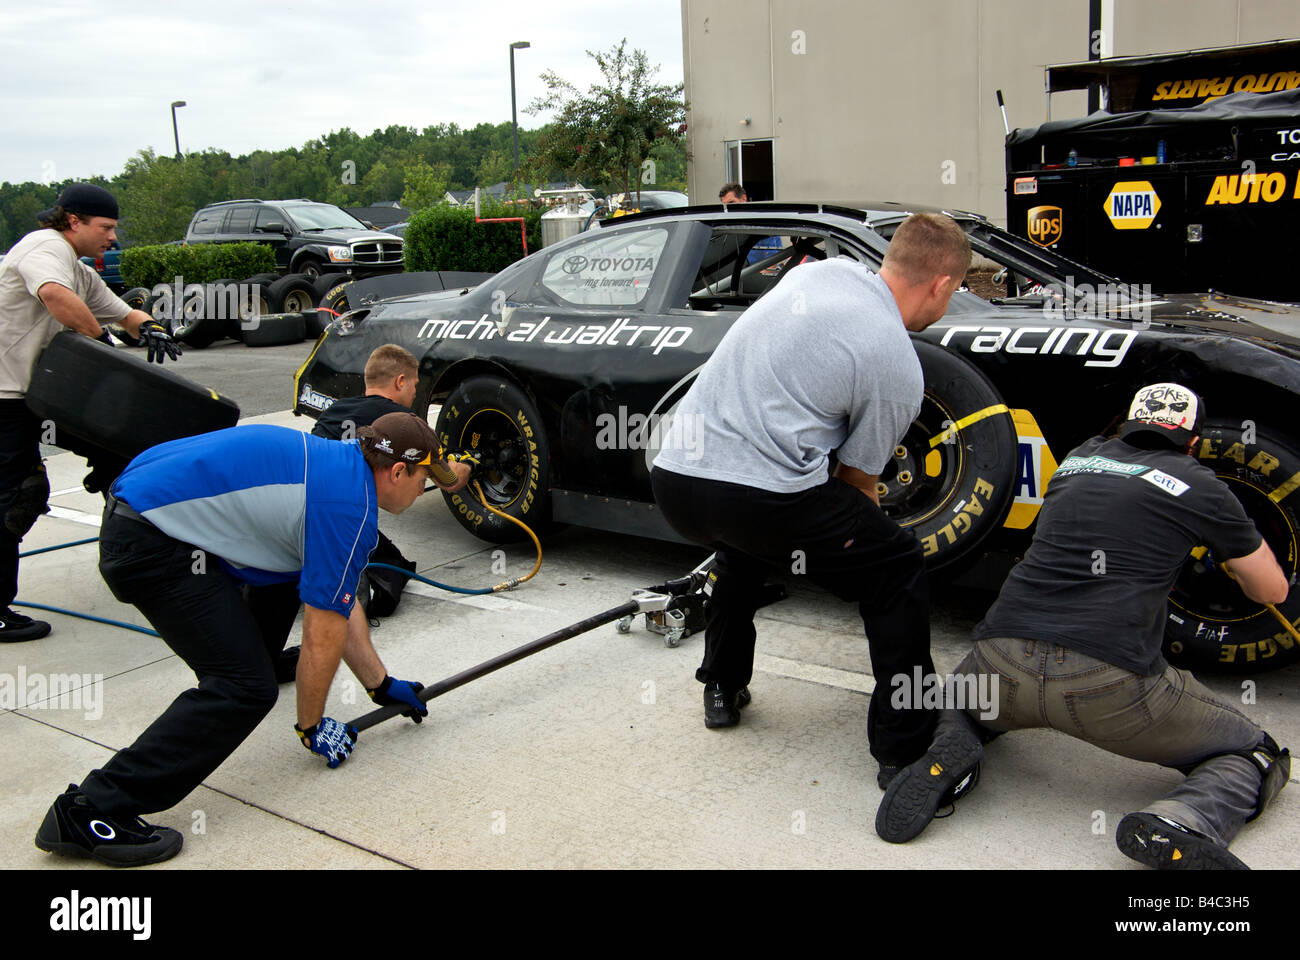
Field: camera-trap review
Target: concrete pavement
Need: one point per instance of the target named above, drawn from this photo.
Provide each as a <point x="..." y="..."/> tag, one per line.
<point x="590" y="754"/>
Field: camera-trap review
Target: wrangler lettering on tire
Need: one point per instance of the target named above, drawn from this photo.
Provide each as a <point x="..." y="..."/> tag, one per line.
<point x="1212" y="625"/>
<point x="496" y="420"/>
<point x="952" y="476"/>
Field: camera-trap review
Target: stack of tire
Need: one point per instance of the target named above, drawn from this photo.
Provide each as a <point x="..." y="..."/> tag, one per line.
<point x="288" y="311"/>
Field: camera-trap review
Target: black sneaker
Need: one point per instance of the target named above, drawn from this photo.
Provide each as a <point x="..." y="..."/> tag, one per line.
<point x="722" y="707"/>
<point x="75" y="828"/>
<point x="1168" y="845"/>
<point x="15" y="628"/>
<point x="949" y="769"/>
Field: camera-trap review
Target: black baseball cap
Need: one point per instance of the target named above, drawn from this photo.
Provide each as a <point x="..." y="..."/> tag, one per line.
<point x="84" y="199"/>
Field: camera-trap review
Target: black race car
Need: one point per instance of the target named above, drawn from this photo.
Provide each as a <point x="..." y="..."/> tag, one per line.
<point x="562" y="372"/>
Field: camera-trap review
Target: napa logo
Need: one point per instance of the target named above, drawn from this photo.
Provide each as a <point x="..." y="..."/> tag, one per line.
<point x="1034" y="467"/>
<point x="1045" y="225"/>
<point x="1132" y="205"/>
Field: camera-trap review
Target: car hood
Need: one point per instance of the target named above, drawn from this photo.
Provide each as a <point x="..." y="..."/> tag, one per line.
<point x="1271" y="322"/>
<point x="347" y="235"/>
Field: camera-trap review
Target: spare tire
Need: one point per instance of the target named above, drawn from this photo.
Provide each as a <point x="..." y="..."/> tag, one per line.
<point x="275" y="329"/>
<point x="327" y="282"/>
<point x="291" y="294"/>
<point x="952" y="478"/>
<point x="1212" y="625"/>
<point x="336" y="297"/>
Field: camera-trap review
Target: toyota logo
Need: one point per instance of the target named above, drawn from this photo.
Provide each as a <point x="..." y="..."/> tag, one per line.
<point x="575" y="264"/>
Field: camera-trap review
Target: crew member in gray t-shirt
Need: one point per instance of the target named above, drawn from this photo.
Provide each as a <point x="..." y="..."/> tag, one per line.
<point x="822" y="364"/>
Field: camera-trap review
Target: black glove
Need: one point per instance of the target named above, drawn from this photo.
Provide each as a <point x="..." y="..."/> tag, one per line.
<point x="401" y="691"/>
<point x="160" y="343"/>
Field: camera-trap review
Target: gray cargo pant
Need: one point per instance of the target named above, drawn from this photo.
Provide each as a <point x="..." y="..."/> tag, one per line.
<point x="1170" y="719"/>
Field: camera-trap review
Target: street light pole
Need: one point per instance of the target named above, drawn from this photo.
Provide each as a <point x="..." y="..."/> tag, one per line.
<point x="175" y="132"/>
<point x="514" y="120"/>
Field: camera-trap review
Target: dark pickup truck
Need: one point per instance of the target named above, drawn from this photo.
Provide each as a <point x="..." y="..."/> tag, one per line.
<point x="308" y="237"/>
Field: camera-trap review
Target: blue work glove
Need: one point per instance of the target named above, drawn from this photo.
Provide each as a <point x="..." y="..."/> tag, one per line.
<point x="400" y="691"/>
<point x="160" y="343"/>
<point x="332" y="740"/>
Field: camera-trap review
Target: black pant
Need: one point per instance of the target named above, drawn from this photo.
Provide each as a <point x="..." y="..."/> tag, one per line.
<point x="20" y="452"/>
<point x="230" y="642"/>
<point x="841" y="541"/>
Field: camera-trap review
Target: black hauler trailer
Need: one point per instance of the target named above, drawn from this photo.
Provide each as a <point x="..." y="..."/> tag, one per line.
<point x="1194" y="186"/>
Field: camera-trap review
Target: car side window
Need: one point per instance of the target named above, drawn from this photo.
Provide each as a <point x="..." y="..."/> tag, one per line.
<point x="208" y="222"/>
<point x="615" y="269"/>
<point x="267" y="215"/>
<point x="241" y="220"/>
<point x="740" y="265"/>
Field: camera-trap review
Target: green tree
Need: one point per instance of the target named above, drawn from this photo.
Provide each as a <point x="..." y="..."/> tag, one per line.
<point x="423" y="185"/>
<point x="606" y="135"/>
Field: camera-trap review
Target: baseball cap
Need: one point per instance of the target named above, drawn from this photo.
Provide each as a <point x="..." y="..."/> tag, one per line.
<point x="1166" y="409"/>
<point x="84" y="198"/>
<point x="406" y="438"/>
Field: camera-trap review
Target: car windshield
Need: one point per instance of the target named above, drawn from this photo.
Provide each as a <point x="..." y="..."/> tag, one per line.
<point x="322" y="216"/>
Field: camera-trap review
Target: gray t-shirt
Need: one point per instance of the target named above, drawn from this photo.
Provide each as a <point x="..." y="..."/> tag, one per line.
<point x="823" y="362"/>
<point x="26" y="327"/>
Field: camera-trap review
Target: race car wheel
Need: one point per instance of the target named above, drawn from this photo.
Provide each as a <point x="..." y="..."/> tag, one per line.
<point x="135" y="297"/>
<point x="952" y="477"/>
<point x="497" y="420"/>
<point x="1212" y="625"/>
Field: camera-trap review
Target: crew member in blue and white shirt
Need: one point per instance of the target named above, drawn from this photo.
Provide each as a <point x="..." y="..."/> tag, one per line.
<point x="204" y="535"/>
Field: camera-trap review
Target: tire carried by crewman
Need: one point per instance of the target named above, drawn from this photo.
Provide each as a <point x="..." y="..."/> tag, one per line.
<point x="952" y="478"/>
<point x="495" y="419"/>
<point x="1212" y="625"/>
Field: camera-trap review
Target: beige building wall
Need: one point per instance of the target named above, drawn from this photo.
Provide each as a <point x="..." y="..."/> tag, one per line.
<point x="894" y="99"/>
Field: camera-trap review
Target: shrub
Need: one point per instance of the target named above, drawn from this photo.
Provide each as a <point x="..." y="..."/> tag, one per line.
<point x="445" y="237"/>
<point x="149" y="266"/>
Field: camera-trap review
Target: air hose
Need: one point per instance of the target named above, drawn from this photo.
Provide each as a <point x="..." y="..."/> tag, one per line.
<point x="505" y="585"/>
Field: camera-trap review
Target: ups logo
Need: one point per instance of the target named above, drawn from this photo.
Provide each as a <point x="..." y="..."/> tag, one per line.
<point x="1045" y="225"/>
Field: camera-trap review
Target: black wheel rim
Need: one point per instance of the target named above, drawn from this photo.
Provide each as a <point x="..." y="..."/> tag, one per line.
<point x="503" y="455"/>
<point x="922" y="475"/>
<point x="1204" y="592"/>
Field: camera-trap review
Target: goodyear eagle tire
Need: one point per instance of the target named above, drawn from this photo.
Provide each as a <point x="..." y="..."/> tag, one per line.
<point x="497" y="420"/>
<point x="325" y="283"/>
<point x="336" y="297"/>
<point x="1212" y="625"/>
<point x="952" y="478"/>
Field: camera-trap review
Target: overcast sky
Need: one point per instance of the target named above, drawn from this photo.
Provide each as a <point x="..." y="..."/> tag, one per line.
<point x="85" y="85"/>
